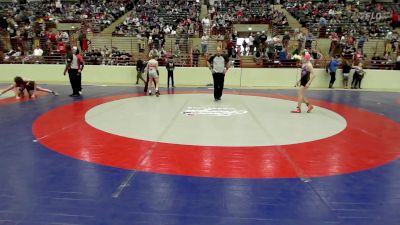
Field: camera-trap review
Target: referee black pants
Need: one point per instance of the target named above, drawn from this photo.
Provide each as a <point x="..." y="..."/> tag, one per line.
<point x="218" y="84"/>
<point x="171" y="77"/>
<point x="75" y="81"/>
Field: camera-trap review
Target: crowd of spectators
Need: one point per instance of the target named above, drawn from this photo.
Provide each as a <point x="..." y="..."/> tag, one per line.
<point x="108" y="56"/>
<point x="26" y="27"/>
<point x="350" y="26"/>
<point x="224" y="13"/>
<point x="33" y="17"/>
<point x="152" y="20"/>
<point x="355" y="19"/>
<point x="161" y="16"/>
<point x="239" y="11"/>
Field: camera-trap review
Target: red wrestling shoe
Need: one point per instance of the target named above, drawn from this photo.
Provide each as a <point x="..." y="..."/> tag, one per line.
<point x="298" y="110"/>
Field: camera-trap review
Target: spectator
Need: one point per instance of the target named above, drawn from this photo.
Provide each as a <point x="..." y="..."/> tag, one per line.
<point x="332" y="67"/>
<point x="395" y="20"/>
<point x="388" y="59"/>
<point x="398" y="62"/>
<point x="206" y="25"/>
<point x="38" y="52"/>
<point x="285" y="40"/>
<point x="358" y="56"/>
<point x="251" y="44"/>
<point x="346" y="71"/>
<point x="263" y="38"/>
<point x="230" y="47"/>
<point x="62" y="47"/>
<point x="300" y="40"/>
<point x="204" y="44"/>
<point x="257" y="57"/>
<point x="357" y="76"/>
<point x="65" y="37"/>
<point x="154" y="53"/>
<point x="282" y="55"/>
<point x="322" y="26"/>
<point x="177" y="51"/>
<point x="361" y="41"/>
<point x="316" y="56"/>
<point x="244" y="44"/>
<point x="309" y="40"/>
<point x="334" y="44"/>
<point x="196" y="56"/>
<point x="170" y="68"/>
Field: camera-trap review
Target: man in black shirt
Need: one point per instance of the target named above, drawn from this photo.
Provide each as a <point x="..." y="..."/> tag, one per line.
<point x="263" y="38"/>
<point x="170" y="68"/>
<point x="219" y="65"/>
<point x="196" y="56"/>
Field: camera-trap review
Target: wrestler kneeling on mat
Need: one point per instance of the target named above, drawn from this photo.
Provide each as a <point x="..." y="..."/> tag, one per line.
<point x="21" y="84"/>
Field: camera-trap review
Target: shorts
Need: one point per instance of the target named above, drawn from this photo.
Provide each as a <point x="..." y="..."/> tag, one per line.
<point x="30" y="87"/>
<point x="345" y="76"/>
<point x="153" y="74"/>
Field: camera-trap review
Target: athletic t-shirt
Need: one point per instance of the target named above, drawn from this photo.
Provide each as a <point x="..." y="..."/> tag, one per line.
<point x="74" y="62"/>
<point x="218" y="63"/>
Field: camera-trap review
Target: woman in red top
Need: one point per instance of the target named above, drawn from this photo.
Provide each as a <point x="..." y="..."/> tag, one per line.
<point x="395" y="20"/>
<point x="85" y="44"/>
<point x="62" y="47"/>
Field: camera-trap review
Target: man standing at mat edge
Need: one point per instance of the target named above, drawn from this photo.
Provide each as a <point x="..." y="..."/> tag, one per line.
<point x="218" y="65"/>
<point x="74" y="67"/>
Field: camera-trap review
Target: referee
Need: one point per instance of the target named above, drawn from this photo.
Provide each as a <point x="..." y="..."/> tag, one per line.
<point x="74" y="67"/>
<point x="218" y="65"/>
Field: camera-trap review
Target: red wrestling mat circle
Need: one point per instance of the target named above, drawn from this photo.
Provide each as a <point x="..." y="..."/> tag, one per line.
<point x="369" y="140"/>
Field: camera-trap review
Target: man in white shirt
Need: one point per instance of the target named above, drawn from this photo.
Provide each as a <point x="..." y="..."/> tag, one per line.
<point x="65" y="37"/>
<point x="204" y="44"/>
<point x="206" y="24"/>
<point x="37" y="52"/>
<point x="219" y="65"/>
<point x="251" y="44"/>
<point x="167" y="30"/>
